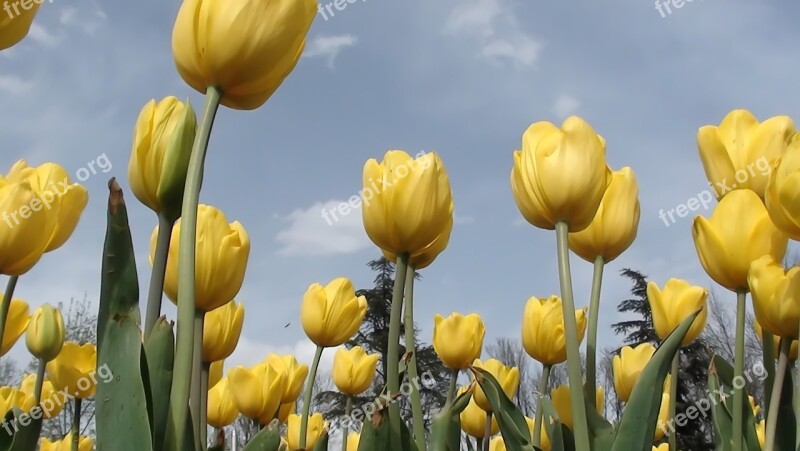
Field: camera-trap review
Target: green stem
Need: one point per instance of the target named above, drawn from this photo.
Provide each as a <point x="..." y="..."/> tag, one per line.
<point x="37" y="392"/>
<point x="76" y="424"/>
<point x="204" y="404"/>
<point x="738" y="372"/>
<point x="777" y="387"/>
<point x="451" y="390"/>
<point x="591" y="340"/>
<point x="413" y="373"/>
<point x="543" y="383"/>
<point x="307" y="396"/>
<point x="348" y="407"/>
<point x="673" y="394"/>
<point x="580" y="426"/>
<point x="393" y="357"/>
<point x="487" y="431"/>
<point x="157" y="275"/>
<point x="181" y="381"/>
<point x="769" y="364"/>
<point x="10" y="286"/>
<point x="196" y="397"/>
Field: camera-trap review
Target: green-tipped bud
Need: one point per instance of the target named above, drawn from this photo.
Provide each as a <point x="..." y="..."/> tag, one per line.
<point x="45" y="335"/>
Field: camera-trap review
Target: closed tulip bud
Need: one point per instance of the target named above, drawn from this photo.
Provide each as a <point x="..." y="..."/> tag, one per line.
<point x="776" y="296"/>
<point x="507" y="377"/>
<point x="353" y="439"/>
<point x="221" y="407"/>
<point x="221" y="330"/>
<point x="73" y="369"/>
<point x="16" y="324"/>
<point x="543" y="334"/>
<point x="473" y="419"/>
<point x="783" y="188"/>
<point x="162" y="145"/>
<point x="354" y="370"/>
<point x="739" y="218"/>
<point x="23" y="236"/>
<point x="245" y="47"/>
<point x="562" y="398"/>
<point x="294" y="373"/>
<point x="11" y="397"/>
<point x="615" y="224"/>
<point x="314" y="430"/>
<point x="45" y="335"/>
<point x="215" y="373"/>
<point x="628" y="366"/>
<point x="65" y="444"/>
<point x="222" y="251"/>
<point x="458" y="339"/>
<point x="674" y="304"/>
<point x="776" y="349"/>
<point x="739" y="153"/>
<point x="426" y="256"/>
<point x="333" y="313"/>
<point x="14" y="27"/>
<point x="560" y="174"/>
<point x="62" y="200"/>
<point x="257" y="390"/>
<point x="51" y="400"/>
<point x="285" y="410"/>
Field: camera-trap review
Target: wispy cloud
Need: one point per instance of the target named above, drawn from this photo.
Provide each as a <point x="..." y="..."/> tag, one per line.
<point x="309" y="233"/>
<point x="14" y="85"/>
<point x="566" y="105"/>
<point x="40" y="34"/>
<point x="329" y="47"/>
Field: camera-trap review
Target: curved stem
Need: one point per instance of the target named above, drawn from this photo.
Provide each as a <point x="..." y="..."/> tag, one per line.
<point x="307" y="396"/>
<point x="738" y="371"/>
<point x="487" y="431"/>
<point x="413" y="373"/>
<point x="157" y="275"/>
<point x="10" y="286"/>
<point x="76" y="424"/>
<point x="181" y="381"/>
<point x="777" y="387"/>
<point x="591" y="340"/>
<point x="543" y="383"/>
<point x="580" y="426"/>
<point x="451" y="390"/>
<point x="768" y="355"/>
<point x="392" y="358"/>
<point x="37" y="392"/>
<point x="196" y="397"/>
<point x="673" y="394"/>
<point x="348" y="407"/>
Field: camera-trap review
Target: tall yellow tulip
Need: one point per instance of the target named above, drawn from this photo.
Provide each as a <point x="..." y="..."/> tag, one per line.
<point x="51" y="400"/>
<point x="73" y="369"/>
<point x="65" y="444"/>
<point x="221" y="259"/>
<point x="422" y="259"/>
<point x="257" y="391"/>
<point x="408" y="204"/>
<point x="560" y="174"/>
<point x="221" y="330"/>
<point x="615" y="224"/>
<point x="473" y="419"/>
<point x="740" y="152"/>
<point x="354" y="370"/>
<point x="221" y="407"/>
<point x="628" y="365"/>
<point x="676" y="302"/>
<point x="245" y="47"/>
<point x="458" y="339"/>
<point x="162" y="144"/>
<point x="25" y="228"/>
<point x="45" y="335"/>
<point x="15" y="21"/>
<point x="562" y="401"/>
<point x="314" y="431"/>
<point x="294" y="373"/>
<point x="783" y="190"/>
<point x="738" y="232"/>
<point x="507" y="377"/>
<point x="333" y="313"/>
<point x="543" y="335"/>
<point x="16" y="324"/>
<point x="776" y="296"/>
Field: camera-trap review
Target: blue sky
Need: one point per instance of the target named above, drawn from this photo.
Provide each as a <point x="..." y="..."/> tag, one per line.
<point x="461" y="77"/>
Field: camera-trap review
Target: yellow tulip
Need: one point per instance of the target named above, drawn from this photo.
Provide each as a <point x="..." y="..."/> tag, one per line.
<point x="333" y="313"/>
<point x="426" y="256"/>
<point x="628" y="365"/>
<point x="15" y="21"/>
<point x="162" y="145"/>
<point x="221" y="330"/>
<point x="739" y="153"/>
<point x="354" y="370"/>
<point x="543" y="334"/>
<point x="776" y="342"/>
<point x="314" y="430"/>
<point x="662" y="423"/>
<point x="473" y="419"/>
<point x="284" y="410"/>
<point x="661" y="447"/>
<point x="507" y="377"/>
<point x="562" y="398"/>
<point x="62" y="200"/>
<point x="408" y="204"/>
<point x="215" y="371"/>
<point x="776" y="296"/>
<point x="25" y="228"/>
<point x="782" y="190"/>
<point x="674" y="304"/>
<point x="560" y="174"/>
<point x="294" y="373"/>
<point x="257" y="390"/>
<point x="65" y="444"/>
<point x="45" y="335"/>
<point x="497" y="444"/>
<point x="544" y="438"/>
<point x="245" y="47"/>
<point x="221" y="407"/>
<point x="73" y="369"/>
<point x="756" y="408"/>
<point x="739" y="219"/>
<point x="761" y="433"/>
<point x="458" y="339"/>
<point x="615" y="224"/>
<point x="16" y="324"/>
<point x="221" y="259"/>
<point x="353" y="439"/>
<point x="51" y="401"/>
<point x="11" y="397"/>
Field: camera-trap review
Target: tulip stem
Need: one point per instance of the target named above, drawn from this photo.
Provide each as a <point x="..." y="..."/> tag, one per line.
<point x="543" y="383"/>
<point x="181" y="381"/>
<point x="580" y="426"/>
<point x="348" y="407"/>
<point x="738" y="371"/>
<point x="487" y="431"/>
<point x="451" y="390"/>
<point x="12" y="284"/>
<point x="37" y="393"/>
<point x="673" y="394"/>
<point x="76" y="424"/>
<point x="307" y="396"/>
<point x="591" y="340"/>
<point x="165" y="226"/>
<point x="204" y="404"/>
<point x="393" y="359"/>
<point x="413" y="374"/>
<point x="196" y="397"/>
<point x="768" y="355"/>
<point x="777" y="387"/>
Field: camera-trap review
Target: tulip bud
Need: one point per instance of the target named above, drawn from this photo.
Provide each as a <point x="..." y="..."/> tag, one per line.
<point x="16" y="324"/>
<point x="221" y="407"/>
<point x="473" y="419"/>
<point x="507" y="377"/>
<point x="458" y="339"/>
<point x="45" y="335"/>
<point x="221" y="330"/>
<point x="675" y="303"/>
<point x="543" y="333"/>
<point x="628" y="366"/>
<point x="162" y="145"/>
<point x="294" y="373"/>
<point x="314" y="430"/>
<point x="354" y="370"/>
<point x="562" y="401"/>
<point x="72" y="369"/>
<point x="332" y="314"/>
<point x="257" y="390"/>
<point x="782" y="188"/>
<point x="775" y="300"/>
<point x="14" y="27"/>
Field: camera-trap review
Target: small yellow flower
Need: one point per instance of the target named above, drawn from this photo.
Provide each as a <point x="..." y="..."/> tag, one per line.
<point x="543" y="334"/>
<point x="221" y="330"/>
<point x="354" y="370"/>
<point x="562" y="401"/>
<point x="257" y="391"/>
<point x="221" y="409"/>
<point x="458" y="339"/>
<point x="314" y="430"/>
<point x="294" y="373"/>
<point x="333" y="313"/>
<point x="676" y="302"/>
<point x="628" y="365"/>
<point x="73" y="369"/>
<point x="507" y="377"/>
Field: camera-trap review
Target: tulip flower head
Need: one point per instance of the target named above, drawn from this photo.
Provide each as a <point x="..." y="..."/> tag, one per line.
<point x="507" y="377"/>
<point x="221" y="330"/>
<point x="562" y="401"/>
<point x="257" y="391"/>
<point x="333" y="313"/>
<point x="543" y="334"/>
<point x="676" y="302"/>
<point x="776" y="296"/>
<point x="314" y="431"/>
<point x="285" y="410"/>
<point x="45" y="335"/>
<point x="294" y="373"/>
<point x="628" y="366"/>
<point x="12" y="397"/>
<point x="73" y="369"/>
<point x="24" y="231"/>
<point x="65" y="444"/>
<point x="354" y="370"/>
<point x="458" y="339"/>
<point x="16" y="324"/>
<point x="215" y="370"/>
<point x="221" y="406"/>
<point x="473" y="419"/>
<point x="783" y="188"/>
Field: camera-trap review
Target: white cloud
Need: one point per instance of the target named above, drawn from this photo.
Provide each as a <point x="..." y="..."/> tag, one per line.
<point x="566" y="105"/>
<point x="88" y="22"/>
<point x="14" y="85"/>
<point x="310" y="233"/>
<point x="40" y="34"/>
<point x="329" y="46"/>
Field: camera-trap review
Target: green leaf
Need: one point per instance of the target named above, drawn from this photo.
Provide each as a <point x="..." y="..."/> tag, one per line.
<point x="446" y="427"/>
<point x="160" y="352"/>
<point x="19" y="431"/>
<point x="720" y="416"/>
<point x="267" y="439"/>
<point x="513" y="425"/>
<point x="322" y="442"/>
<point x="601" y="432"/>
<point x="724" y="371"/>
<point x="552" y="425"/>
